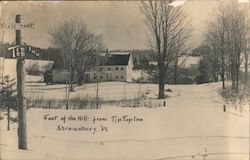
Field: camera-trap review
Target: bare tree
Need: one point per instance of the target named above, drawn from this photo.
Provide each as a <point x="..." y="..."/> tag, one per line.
<point x="86" y="59"/>
<point x="216" y="38"/>
<point x="237" y="37"/>
<point x="77" y="45"/>
<point x="227" y="36"/>
<point x="169" y="31"/>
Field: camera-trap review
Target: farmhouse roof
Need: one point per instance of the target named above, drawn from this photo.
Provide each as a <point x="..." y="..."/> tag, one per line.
<point x="117" y="60"/>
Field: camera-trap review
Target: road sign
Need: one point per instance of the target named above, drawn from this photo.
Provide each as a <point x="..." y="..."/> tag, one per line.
<point x="17" y="51"/>
<point x="16" y="26"/>
<point x="20" y="50"/>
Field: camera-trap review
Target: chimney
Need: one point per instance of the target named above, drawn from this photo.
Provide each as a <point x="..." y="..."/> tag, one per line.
<point x="107" y="52"/>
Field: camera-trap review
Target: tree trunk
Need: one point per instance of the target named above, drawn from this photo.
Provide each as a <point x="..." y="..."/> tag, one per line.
<point x="234" y="77"/>
<point x="246" y="68"/>
<point x="176" y="71"/>
<point x="72" y="79"/>
<point x="223" y="71"/>
<point x="80" y="78"/>
<point x="237" y="72"/>
<point x="161" y="94"/>
<point x="8" y="118"/>
<point x="71" y="82"/>
<point x="237" y="78"/>
<point x="79" y="81"/>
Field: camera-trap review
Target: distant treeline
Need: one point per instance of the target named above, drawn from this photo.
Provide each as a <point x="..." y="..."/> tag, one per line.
<point x="140" y="57"/>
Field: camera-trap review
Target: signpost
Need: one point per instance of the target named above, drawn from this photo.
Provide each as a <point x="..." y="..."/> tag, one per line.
<point x="18" y="52"/>
<point x="16" y="26"/>
<point x="21" y="101"/>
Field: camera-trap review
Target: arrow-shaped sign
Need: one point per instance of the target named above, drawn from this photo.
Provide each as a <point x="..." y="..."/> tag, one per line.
<point x="20" y="50"/>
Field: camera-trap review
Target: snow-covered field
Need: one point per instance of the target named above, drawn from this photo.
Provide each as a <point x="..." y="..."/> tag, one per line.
<point x="192" y="126"/>
<point x="9" y="65"/>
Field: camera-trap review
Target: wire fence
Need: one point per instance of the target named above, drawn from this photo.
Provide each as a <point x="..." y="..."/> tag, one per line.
<point x="91" y="103"/>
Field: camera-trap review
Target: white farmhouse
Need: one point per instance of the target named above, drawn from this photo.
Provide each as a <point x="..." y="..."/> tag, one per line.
<point x="118" y="67"/>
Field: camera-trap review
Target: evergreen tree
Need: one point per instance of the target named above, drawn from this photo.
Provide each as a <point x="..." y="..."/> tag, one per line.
<point x="7" y="97"/>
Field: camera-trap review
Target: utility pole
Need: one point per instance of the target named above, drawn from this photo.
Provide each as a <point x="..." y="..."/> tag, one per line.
<point x="21" y="101"/>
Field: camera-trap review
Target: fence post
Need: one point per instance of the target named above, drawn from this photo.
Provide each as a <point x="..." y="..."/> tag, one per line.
<point x="49" y="104"/>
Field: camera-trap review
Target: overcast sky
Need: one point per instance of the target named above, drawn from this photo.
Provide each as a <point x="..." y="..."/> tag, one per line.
<point x="120" y="22"/>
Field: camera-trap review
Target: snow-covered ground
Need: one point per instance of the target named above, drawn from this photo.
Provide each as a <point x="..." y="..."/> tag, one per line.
<point x="9" y="66"/>
<point x="192" y="126"/>
<point x="185" y="61"/>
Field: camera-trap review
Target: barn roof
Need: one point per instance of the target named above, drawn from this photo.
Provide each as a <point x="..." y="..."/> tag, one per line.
<point x="117" y="60"/>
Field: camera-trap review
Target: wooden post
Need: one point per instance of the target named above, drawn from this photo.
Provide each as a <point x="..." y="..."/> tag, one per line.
<point x="22" y="130"/>
<point x="49" y="104"/>
<point x="67" y="89"/>
<point x="67" y="95"/>
<point x="124" y="95"/>
<point x="97" y="95"/>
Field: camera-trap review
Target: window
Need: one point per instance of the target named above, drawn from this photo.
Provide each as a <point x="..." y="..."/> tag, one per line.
<point x="121" y="68"/>
<point x="101" y="77"/>
<point x="121" y="77"/>
<point x="116" y="68"/>
<point x="100" y="68"/>
<point x="116" y="77"/>
<point x="109" y="68"/>
<point x="95" y="76"/>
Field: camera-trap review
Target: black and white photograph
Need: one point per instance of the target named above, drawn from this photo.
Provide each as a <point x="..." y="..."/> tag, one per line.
<point x="125" y="80"/>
